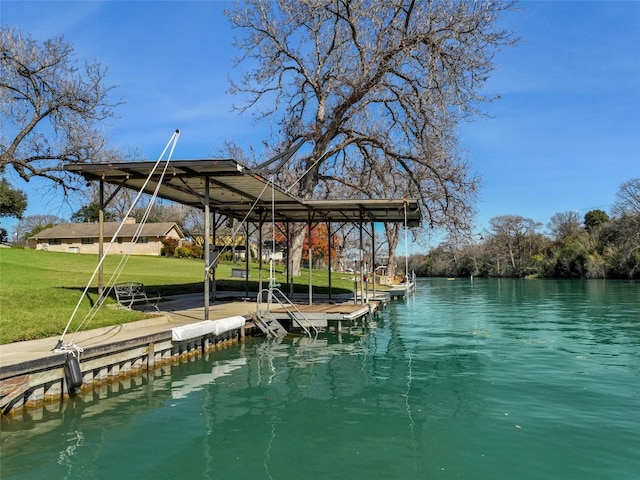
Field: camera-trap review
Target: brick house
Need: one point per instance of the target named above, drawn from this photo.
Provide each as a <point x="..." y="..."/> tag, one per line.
<point x="84" y="238"/>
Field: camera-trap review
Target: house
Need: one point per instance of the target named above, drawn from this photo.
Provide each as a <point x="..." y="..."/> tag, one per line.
<point x="84" y="237"/>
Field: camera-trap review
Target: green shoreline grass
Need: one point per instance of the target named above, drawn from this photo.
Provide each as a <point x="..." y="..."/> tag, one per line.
<point x="39" y="290"/>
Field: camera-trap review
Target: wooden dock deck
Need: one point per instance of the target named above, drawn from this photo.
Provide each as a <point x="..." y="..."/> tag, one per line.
<point x="400" y="290"/>
<point x="325" y="315"/>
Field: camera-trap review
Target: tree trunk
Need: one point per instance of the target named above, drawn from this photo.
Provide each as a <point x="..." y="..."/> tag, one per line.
<point x="392" y="232"/>
<point x="511" y="256"/>
<point x="298" y="234"/>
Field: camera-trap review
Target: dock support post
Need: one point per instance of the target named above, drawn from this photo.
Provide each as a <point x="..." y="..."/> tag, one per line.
<point x="207" y="252"/>
<point x="151" y="356"/>
<point x="53" y="391"/>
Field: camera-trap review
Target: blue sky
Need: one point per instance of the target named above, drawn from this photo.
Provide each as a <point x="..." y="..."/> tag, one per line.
<point x="564" y="135"/>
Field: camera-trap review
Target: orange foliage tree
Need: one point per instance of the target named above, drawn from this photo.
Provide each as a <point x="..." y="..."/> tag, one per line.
<point x="319" y="244"/>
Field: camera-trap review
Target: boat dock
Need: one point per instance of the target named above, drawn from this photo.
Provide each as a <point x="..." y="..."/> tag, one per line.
<point x="32" y="374"/>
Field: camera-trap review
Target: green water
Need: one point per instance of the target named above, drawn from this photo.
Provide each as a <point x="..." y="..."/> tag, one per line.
<point x="491" y="379"/>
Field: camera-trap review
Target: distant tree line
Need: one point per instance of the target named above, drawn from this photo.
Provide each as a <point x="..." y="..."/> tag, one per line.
<point x="596" y="246"/>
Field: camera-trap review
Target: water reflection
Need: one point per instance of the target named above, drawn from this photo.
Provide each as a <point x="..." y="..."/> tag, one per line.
<point x="490" y="379"/>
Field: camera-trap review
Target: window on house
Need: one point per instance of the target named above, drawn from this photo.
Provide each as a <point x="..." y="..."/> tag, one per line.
<point x="55" y="241"/>
<point x="87" y="241"/>
<point x="142" y="240"/>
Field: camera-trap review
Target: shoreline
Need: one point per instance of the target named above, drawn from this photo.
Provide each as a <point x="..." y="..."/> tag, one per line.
<point x="32" y="374"/>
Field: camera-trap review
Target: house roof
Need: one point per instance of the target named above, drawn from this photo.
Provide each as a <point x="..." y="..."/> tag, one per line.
<point x="90" y="230"/>
<point x="238" y="192"/>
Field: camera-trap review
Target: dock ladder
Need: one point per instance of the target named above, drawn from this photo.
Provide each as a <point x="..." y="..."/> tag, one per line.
<point x="268" y="323"/>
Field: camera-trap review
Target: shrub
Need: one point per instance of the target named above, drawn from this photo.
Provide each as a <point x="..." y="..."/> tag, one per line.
<point x="182" y="252"/>
<point x="188" y="250"/>
<point x="196" y="251"/>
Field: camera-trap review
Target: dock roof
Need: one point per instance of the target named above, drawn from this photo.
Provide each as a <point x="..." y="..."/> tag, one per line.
<point x="238" y="192"/>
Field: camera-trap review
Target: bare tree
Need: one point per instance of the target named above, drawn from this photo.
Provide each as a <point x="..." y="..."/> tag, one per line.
<point x="118" y="200"/>
<point x="628" y="198"/>
<point x="32" y="224"/>
<point x="359" y="77"/>
<point x="514" y="232"/>
<point x="624" y="230"/>
<point x="565" y="225"/>
<point x="446" y="200"/>
<point x="50" y="108"/>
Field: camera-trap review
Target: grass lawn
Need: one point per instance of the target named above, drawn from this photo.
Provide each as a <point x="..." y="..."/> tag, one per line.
<point x="39" y="290"/>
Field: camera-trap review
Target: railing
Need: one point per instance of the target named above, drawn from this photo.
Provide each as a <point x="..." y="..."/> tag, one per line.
<point x="293" y="312"/>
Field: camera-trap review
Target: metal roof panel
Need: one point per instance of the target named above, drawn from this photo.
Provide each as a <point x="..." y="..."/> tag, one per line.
<point x="236" y="191"/>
